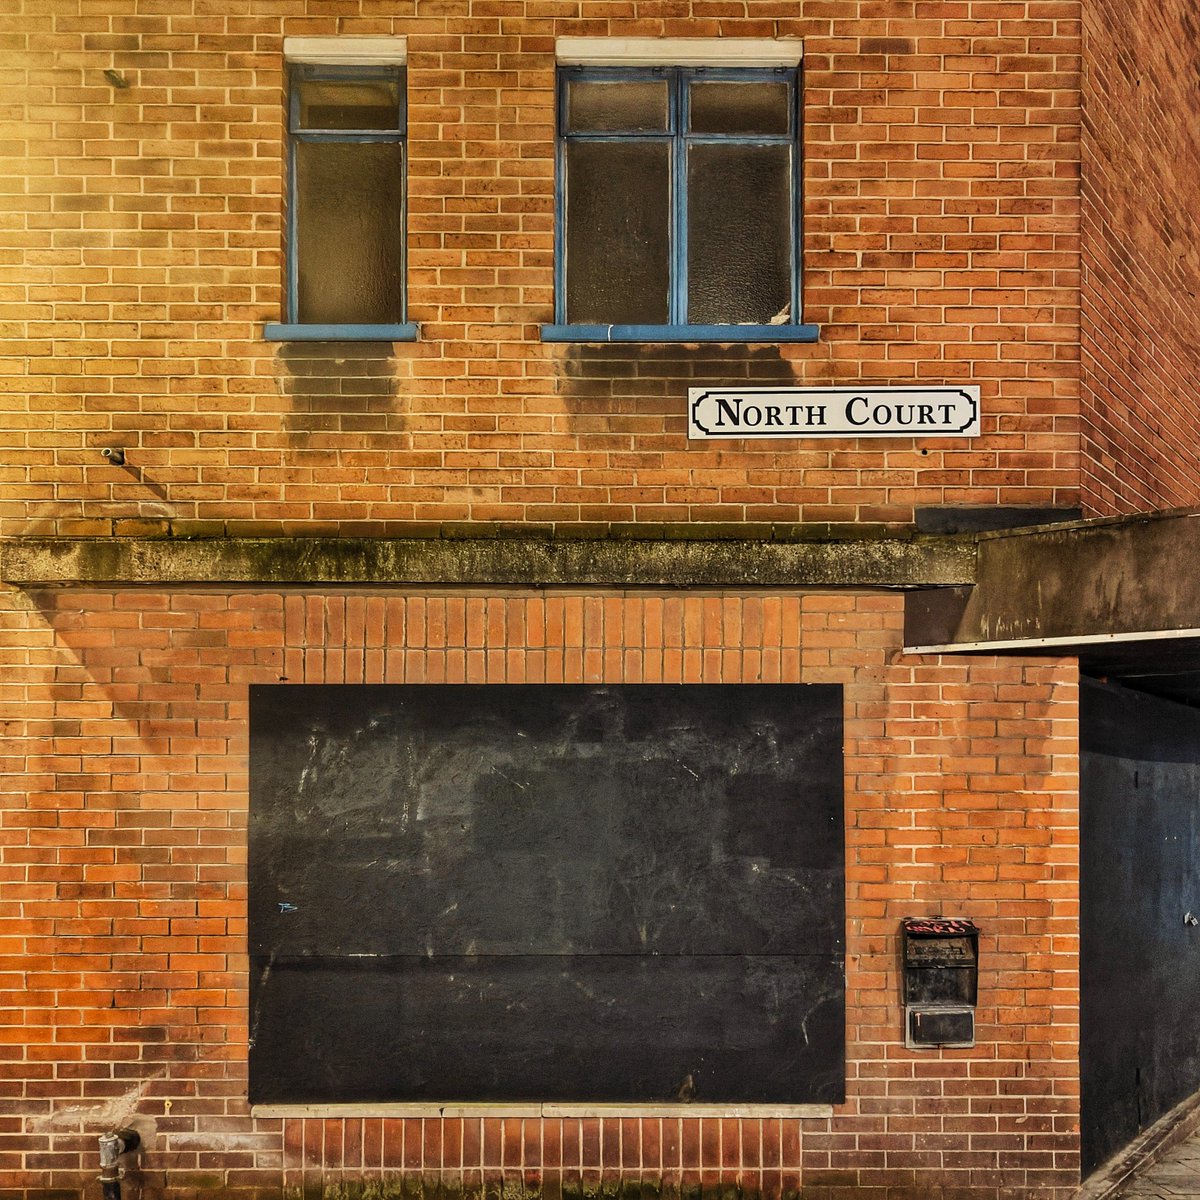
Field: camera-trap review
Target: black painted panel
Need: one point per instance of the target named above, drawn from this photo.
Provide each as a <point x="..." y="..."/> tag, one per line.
<point x="546" y="820"/>
<point x="580" y="853"/>
<point x="1140" y="874"/>
<point x="561" y="1029"/>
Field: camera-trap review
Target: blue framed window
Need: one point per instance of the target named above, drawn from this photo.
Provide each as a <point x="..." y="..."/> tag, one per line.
<point x="345" y="231"/>
<point x="677" y="205"/>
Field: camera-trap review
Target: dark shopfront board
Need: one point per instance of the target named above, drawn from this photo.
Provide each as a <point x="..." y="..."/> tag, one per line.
<point x="1139" y="956"/>
<point x="564" y="893"/>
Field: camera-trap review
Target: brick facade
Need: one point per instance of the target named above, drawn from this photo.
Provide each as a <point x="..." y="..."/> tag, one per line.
<point x="1141" y="257"/>
<point x="123" y="919"/>
<point x="946" y="239"/>
<point x="142" y="249"/>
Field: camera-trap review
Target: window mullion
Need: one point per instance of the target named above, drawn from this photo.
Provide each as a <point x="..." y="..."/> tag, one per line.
<point x="797" y="184"/>
<point x="293" y="227"/>
<point x="291" y="255"/>
<point x="679" y="281"/>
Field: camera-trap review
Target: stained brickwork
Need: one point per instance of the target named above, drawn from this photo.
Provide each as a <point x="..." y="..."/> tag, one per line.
<point x="1141" y="256"/>
<point x="141" y="250"/>
<point x="122" y="890"/>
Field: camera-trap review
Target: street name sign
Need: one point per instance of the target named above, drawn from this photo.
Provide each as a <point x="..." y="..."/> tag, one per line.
<point x="754" y="412"/>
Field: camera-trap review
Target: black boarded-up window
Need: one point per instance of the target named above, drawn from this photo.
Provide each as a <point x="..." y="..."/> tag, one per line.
<point x="550" y="892"/>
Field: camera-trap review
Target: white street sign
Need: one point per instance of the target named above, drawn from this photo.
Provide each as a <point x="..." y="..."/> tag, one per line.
<point x="755" y="412"/>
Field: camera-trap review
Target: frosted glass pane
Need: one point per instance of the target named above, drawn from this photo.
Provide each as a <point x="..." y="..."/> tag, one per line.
<point x="349" y="104"/>
<point x="617" y="261"/>
<point x="618" y="106"/>
<point x="721" y="107"/>
<point x="350" y="232"/>
<point x="739" y="251"/>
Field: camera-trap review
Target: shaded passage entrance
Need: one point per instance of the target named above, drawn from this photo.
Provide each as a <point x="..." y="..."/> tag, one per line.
<point x="1140" y="912"/>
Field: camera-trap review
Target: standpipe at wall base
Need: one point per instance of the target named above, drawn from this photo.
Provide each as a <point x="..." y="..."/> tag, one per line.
<point x="113" y="1144"/>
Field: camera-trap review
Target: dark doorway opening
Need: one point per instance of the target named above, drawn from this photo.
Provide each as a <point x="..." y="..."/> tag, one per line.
<point x="1140" y="882"/>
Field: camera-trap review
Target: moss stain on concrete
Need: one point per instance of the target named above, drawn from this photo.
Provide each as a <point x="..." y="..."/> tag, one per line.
<point x="912" y="561"/>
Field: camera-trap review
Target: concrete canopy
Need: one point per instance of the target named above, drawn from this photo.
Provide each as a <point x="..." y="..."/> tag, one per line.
<point x="1123" y="594"/>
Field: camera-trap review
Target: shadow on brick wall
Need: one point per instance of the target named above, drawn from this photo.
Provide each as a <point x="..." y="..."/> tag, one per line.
<point x="338" y="389"/>
<point x="600" y="383"/>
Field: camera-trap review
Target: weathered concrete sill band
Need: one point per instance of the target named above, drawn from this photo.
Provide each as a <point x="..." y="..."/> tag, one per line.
<point x="466" y="562"/>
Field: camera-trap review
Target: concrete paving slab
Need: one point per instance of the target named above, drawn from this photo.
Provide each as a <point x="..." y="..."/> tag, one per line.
<point x="1176" y="1176"/>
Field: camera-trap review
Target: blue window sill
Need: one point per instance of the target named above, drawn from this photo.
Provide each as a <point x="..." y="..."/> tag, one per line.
<point x="680" y="333"/>
<point x="340" y="333"/>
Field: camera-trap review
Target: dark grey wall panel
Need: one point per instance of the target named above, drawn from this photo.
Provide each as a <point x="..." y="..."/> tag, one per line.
<point x="1140" y="875"/>
<point x="570" y="854"/>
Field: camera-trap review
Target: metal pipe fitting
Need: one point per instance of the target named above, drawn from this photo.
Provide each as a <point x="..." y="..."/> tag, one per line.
<point x="113" y="1144"/>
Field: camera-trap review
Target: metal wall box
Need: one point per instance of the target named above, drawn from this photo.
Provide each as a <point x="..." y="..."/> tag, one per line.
<point x="940" y="973"/>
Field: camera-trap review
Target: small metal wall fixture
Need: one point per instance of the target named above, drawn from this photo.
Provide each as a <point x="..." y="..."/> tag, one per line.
<point x="113" y="1144"/>
<point x="940" y="972"/>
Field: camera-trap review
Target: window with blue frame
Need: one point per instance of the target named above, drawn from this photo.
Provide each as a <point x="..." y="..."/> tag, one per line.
<point x="346" y="201"/>
<point x="678" y="204"/>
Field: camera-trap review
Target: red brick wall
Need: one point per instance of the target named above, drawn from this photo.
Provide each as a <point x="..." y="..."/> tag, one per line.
<point x="1141" y="256"/>
<point x="141" y="249"/>
<point x="122" y="886"/>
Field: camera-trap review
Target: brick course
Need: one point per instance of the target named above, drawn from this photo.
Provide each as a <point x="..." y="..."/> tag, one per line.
<point x="122" y="890"/>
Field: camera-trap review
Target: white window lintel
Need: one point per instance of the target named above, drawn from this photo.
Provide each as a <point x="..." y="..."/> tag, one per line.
<point x="347" y="51"/>
<point x="678" y="52"/>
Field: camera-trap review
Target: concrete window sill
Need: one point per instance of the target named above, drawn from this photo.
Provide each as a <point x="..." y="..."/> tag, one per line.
<point x="278" y="332"/>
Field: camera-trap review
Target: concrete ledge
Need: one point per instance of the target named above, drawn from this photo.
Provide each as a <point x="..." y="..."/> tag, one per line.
<point x="628" y="562"/>
<point x="1070" y="585"/>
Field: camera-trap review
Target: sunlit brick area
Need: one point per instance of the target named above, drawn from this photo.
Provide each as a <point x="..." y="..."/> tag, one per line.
<point x="939" y="232"/>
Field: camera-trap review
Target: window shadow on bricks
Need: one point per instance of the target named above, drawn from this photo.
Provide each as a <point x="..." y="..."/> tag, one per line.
<point x="635" y="389"/>
<point x="339" y="390"/>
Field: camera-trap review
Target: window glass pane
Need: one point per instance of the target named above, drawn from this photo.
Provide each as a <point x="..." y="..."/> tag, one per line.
<point x="739" y="253"/>
<point x="617" y="261"/>
<point x="723" y="107"/>
<point x="350" y="232"/>
<point x="624" y="105"/>
<point x="349" y="103"/>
